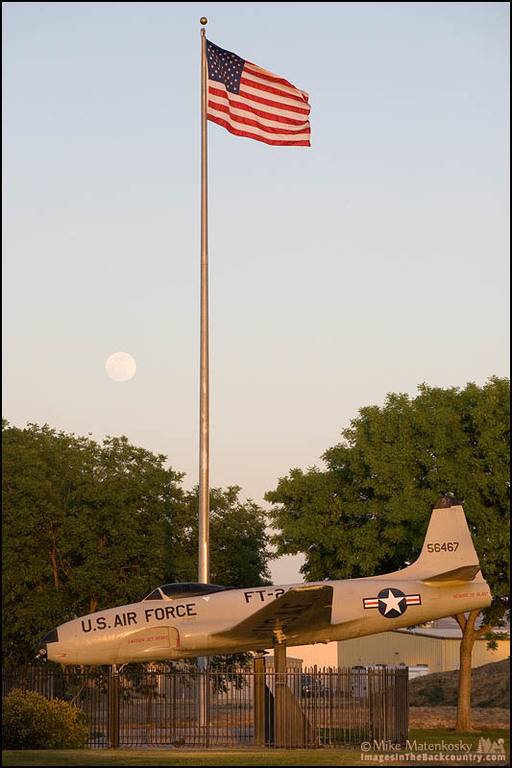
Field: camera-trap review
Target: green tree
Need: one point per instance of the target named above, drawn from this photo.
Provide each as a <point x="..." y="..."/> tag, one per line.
<point x="368" y="510"/>
<point x="85" y="526"/>
<point x="238" y="538"/>
<point x="88" y="526"/>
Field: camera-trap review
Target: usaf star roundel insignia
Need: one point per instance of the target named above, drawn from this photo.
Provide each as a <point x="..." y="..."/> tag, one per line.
<point x="391" y="602"/>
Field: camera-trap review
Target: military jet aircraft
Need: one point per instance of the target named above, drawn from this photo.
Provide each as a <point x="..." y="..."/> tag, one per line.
<point x="183" y="620"/>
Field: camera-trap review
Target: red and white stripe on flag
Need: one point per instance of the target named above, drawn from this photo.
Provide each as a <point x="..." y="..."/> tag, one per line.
<point x="259" y="105"/>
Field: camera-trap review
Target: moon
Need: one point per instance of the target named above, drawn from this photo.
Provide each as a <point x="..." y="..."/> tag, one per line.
<point x="121" y="366"/>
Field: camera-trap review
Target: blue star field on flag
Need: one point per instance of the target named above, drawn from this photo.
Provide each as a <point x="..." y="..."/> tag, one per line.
<point x="224" y="67"/>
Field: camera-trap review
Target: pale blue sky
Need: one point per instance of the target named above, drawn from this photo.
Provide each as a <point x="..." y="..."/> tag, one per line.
<point x="375" y="260"/>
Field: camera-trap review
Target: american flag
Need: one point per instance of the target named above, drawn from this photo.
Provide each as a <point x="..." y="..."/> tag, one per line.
<point x="250" y="101"/>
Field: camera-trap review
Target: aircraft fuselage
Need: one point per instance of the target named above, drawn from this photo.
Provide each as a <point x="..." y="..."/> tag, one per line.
<point x="153" y="630"/>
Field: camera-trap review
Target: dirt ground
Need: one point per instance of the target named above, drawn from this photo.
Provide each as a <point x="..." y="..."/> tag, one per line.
<point x="490" y="687"/>
<point x="444" y="717"/>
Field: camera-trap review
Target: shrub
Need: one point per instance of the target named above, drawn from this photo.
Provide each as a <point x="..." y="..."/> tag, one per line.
<point x="30" y="721"/>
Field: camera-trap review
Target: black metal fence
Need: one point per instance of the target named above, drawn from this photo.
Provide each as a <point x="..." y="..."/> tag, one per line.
<point x="308" y="708"/>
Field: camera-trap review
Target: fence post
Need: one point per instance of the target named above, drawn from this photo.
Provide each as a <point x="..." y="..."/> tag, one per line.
<point x="372" y="719"/>
<point x="114" y="690"/>
<point x="402" y="704"/>
<point x="279" y="694"/>
<point x="259" y="698"/>
<point x="207" y="695"/>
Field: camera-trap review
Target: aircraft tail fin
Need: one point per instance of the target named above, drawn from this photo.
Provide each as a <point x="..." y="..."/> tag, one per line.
<point x="448" y="553"/>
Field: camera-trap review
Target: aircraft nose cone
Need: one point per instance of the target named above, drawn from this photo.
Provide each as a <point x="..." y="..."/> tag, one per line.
<point x="51" y="637"/>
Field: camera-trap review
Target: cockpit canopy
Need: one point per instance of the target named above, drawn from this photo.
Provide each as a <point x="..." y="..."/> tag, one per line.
<point x="191" y="589"/>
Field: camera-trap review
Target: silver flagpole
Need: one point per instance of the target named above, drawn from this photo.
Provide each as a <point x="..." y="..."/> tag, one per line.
<point x="204" y="386"/>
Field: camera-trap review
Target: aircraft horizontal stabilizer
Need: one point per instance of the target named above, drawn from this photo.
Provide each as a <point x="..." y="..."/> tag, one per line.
<point x="464" y="573"/>
<point x="296" y="611"/>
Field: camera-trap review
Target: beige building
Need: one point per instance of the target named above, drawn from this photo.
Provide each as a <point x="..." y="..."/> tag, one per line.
<point x="435" y="647"/>
<point x="319" y="654"/>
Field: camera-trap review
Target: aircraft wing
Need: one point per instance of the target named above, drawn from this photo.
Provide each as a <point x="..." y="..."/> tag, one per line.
<point x="299" y="609"/>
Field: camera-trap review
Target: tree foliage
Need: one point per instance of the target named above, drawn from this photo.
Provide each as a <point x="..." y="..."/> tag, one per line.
<point x="88" y="526"/>
<point x="238" y="538"/>
<point x="367" y="511"/>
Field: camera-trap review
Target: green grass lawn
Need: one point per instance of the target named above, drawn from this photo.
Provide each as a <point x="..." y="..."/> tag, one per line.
<point x="173" y="756"/>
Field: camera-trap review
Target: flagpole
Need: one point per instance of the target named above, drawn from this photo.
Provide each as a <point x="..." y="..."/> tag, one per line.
<point x="204" y="386"/>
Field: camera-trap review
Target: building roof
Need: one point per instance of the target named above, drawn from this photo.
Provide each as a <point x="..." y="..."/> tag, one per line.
<point x="446" y="628"/>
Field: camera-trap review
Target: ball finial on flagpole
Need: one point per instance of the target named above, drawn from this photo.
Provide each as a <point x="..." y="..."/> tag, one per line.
<point x="203" y="20"/>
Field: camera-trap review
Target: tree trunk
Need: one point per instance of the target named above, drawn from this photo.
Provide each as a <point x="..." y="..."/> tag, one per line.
<point x="55" y="568"/>
<point x="469" y="635"/>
